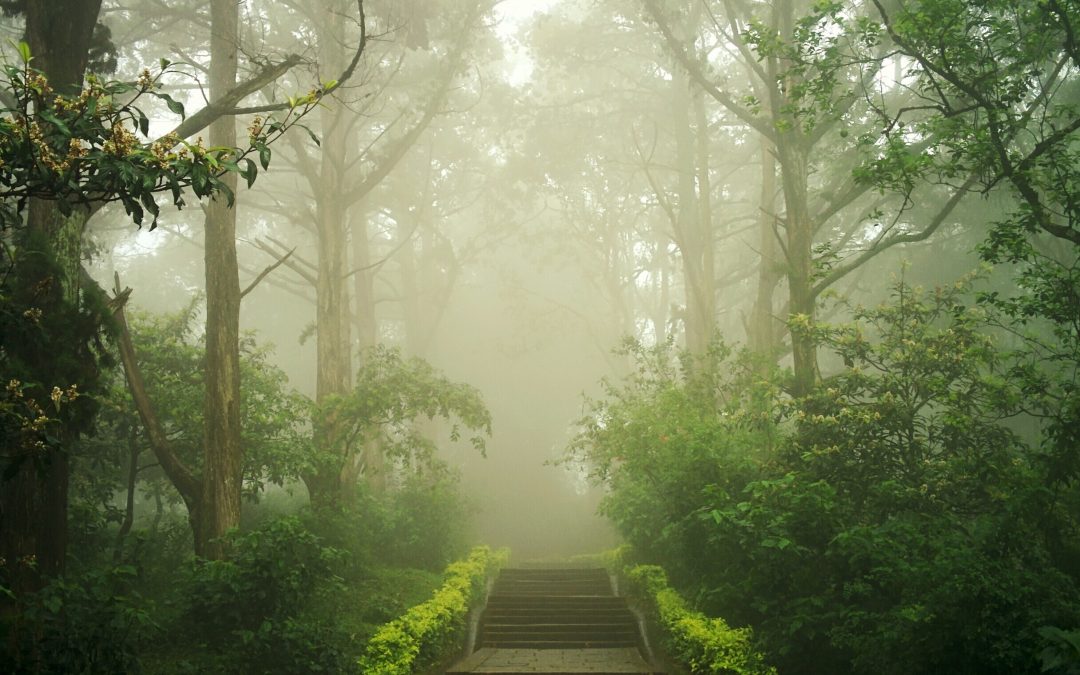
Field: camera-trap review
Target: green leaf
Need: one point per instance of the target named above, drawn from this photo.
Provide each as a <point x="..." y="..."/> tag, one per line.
<point x="311" y="135"/>
<point x="52" y="119"/>
<point x="175" y="106"/>
<point x="249" y="172"/>
<point x="199" y="180"/>
<point x="264" y="155"/>
<point x="24" y="51"/>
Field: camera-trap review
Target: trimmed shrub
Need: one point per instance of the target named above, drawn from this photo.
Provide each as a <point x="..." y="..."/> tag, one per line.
<point x="702" y="644"/>
<point x="427" y="633"/>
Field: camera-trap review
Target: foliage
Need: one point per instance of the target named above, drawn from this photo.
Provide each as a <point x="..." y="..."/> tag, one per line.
<point x="246" y="607"/>
<point x="901" y="526"/>
<point x="268" y="571"/>
<point x="390" y="394"/>
<point x="427" y="633"/>
<point x="997" y="86"/>
<point x="676" y="429"/>
<point x="87" y="623"/>
<point x="1063" y="653"/>
<point x="918" y="407"/>
<point x="84" y="149"/>
<point x="49" y="355"/>
<point x="703" y="644"/>
<point x="425" y="522"/>
<point x="171" y="357"/>
<point x="78" y="152"/>
<point x="421" y="523"/>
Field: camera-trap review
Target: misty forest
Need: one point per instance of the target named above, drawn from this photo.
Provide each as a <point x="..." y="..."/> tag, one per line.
<point x="328" y="326"/>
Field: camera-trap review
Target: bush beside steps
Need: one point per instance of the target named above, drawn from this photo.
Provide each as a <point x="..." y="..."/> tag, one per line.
<point x="428" y="633"/>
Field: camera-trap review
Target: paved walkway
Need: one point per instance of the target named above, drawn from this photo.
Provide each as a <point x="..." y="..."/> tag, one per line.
<point x="552" y="661"/>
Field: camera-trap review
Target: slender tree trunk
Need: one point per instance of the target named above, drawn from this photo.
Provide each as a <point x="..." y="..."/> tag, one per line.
<point x="332" y="333"/>
<point x="129" y="502"/>
<point x="762" y="331"/>
<point x="799" y="239"/>
<point x="688" y="225"/>
<point x="367" y="327"/>
<point x="222" y="449"/>
<point x="372" y="458"/>
<point x="793" y="153"/>
<point x="706" y="241"/>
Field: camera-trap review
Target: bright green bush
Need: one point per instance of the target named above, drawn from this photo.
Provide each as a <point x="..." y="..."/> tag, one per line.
<point x="428" y="632"/>
<point x="700" y="643"/>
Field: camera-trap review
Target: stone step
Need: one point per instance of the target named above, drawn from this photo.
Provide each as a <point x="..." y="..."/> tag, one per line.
<point x="556" y="621"/>
<point x="541" y="618"/>
<point x="549" y="639"/>
<point x="526" y="617"/>
<point x="568" y="643"/>
<point x="499" y="638"/>
<point x="553" y="571"/>
<point x="560" y="625"/>
<point x="592" y="586"/>
<point x="538" y="599"/>
<point x="614" y="661"/>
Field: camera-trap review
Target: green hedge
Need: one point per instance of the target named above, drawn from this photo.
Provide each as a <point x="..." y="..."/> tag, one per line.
<point x="430" y="631"/>
<point x="702" y="644"/>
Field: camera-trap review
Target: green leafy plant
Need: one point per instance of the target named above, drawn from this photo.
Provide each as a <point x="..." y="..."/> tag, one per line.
<point x="250" y="609"/>
<point x="85" y="148"/>
<point x="93" y="622"/>
<point x="429" y="632"/>
<point x="702" y="644"/>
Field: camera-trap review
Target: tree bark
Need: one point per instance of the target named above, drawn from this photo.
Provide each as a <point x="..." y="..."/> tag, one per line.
<point x="693" y="222"/>
<point x="800" y="264"/>
<point x="332" y="481"/>
<point x="33" y="501"/>
<point x="762" y="333"/>
<point x="333" y="333"/>
<point x="222" y="448"/>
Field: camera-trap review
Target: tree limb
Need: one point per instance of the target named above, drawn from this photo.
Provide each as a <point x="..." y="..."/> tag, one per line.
<point x="694" y="70"/>
<point x="182" y="478"/>
<point x="840" y="271"/>
<point x="262" y="275"/>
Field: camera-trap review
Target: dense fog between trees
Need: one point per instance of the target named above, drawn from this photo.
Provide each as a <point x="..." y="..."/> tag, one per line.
<point x="302" y="299"/>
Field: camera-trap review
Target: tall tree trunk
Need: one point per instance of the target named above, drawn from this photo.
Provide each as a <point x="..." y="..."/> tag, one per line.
<point x="762" y="331"/>
<point x="693" y="232"/>
<point x="373" y="460"/>
<point x="222" y="448"/>
<point x="332" y="333"/>
<point x="705" y="304"/>
<point x="33" y="501"/>
<point x="793" y="150"/>
<point x="367" y="328"/>
<point x="799" y="239"/>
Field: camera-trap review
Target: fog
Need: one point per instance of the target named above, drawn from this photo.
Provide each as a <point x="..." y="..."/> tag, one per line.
<point x="506" y="192"/>
<point x="316" y="315"/>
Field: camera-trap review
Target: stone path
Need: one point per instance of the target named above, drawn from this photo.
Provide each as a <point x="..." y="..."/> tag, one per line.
<point x="552" y="661"/>
<point x="559" y="621"/>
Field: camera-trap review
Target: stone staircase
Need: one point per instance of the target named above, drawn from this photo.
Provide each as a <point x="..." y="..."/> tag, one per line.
<point x="556" y="609"/>
<point x="556" y="620"/>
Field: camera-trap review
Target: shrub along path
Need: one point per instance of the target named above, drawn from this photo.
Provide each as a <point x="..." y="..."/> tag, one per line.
<point x="556" y="620"/>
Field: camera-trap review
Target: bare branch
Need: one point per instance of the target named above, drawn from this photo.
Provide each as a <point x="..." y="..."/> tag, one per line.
<point x="262" y="275"/>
